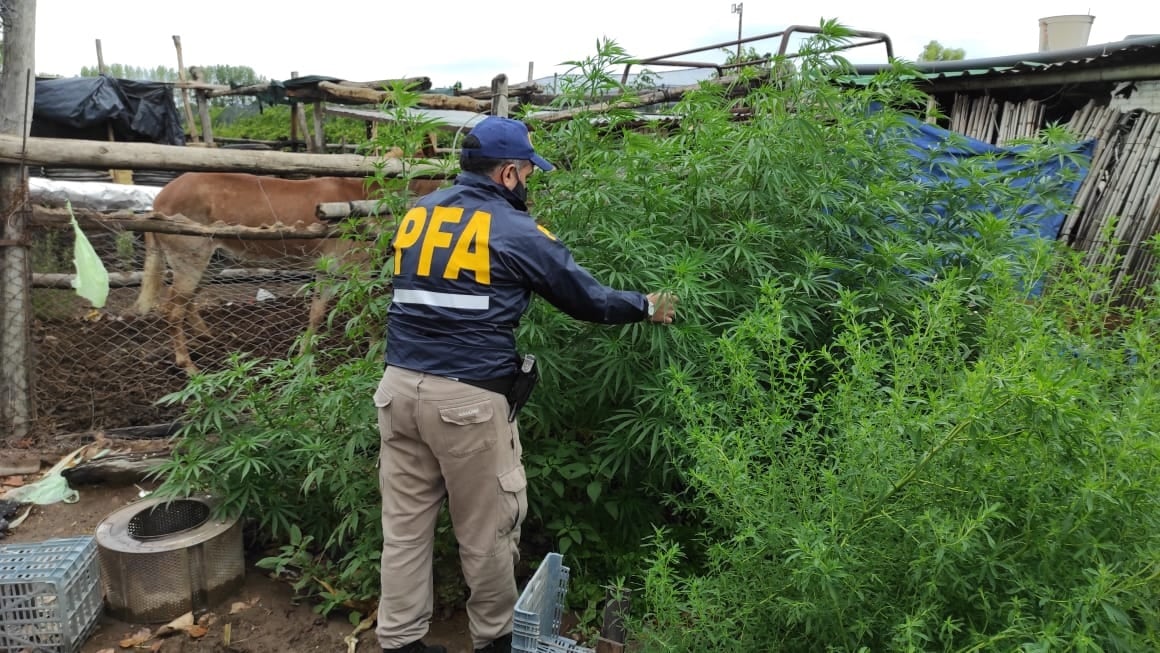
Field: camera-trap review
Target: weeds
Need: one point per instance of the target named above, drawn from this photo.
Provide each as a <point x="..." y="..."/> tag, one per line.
<point x="935" y="495"/>
<point x="860" y="431"/>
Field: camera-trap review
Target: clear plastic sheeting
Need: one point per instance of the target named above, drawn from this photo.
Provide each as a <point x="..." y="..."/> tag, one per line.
<point x="91" y="195"/>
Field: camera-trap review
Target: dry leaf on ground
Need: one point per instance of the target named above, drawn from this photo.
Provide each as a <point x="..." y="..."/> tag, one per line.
<point x="180" y="624"/>
<point x="239" y="606"/>
<point x="137" y="638"/>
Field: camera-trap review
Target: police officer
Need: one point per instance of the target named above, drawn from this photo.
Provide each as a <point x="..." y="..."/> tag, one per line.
<point x="467" y="260"/>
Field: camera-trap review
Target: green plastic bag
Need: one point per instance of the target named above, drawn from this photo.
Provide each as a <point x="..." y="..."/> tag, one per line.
<point x="92" y="280"/>
<point x="52" y="488"/>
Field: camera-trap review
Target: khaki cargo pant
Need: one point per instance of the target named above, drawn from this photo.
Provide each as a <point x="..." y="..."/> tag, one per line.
<point x="444" y="438"/>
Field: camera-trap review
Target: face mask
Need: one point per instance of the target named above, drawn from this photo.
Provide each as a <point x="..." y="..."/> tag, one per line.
<point x="521" y="190"/>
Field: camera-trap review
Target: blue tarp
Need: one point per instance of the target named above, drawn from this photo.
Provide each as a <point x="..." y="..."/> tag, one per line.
<point x="942" y="157"/>
<point x="938" y="151"/>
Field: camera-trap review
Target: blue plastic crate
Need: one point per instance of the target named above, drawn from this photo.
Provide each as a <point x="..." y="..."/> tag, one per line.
<point x="50" y="595"/>
<point x="540" y="609"/>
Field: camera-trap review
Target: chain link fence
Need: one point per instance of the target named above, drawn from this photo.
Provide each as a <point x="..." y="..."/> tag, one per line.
<point x="14" y="409"/>
<point x="106" y="368"/>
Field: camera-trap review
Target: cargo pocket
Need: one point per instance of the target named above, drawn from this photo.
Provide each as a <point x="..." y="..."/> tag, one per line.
<point x="514" y="499"/>
<point x="470" y="429"/>
<point x="383" y="405"/>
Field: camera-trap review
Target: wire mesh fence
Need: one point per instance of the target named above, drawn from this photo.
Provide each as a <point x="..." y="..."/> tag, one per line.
<point x="100" y="369"/>
<point x="15" y="411"/>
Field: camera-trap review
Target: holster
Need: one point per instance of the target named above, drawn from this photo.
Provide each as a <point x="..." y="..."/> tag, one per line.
<point x="521" y="389"/>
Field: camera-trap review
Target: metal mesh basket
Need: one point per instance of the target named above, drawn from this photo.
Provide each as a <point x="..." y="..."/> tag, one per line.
<point x="50" y="596"/>
<point x="540" y="610"/>
<point x="168" y="519"/>
<point x="160" y="559"/>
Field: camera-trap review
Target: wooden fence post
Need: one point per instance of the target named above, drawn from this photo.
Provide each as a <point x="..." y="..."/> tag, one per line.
<point x="294" y="109"/>
<point x="319" y="132"/>
<point x="499" y="96"/>
<point x="193" y="136"/>
<point x="203" y="107"/>
<point x="17" y="87"/>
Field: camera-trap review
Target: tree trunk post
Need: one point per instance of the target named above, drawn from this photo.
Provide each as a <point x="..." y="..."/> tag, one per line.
<point x="294" y="109"/>
<point x="319" y="131"/>
<point x="203" y="108"/>
<point x="17" y="87"/>
<point x="193" y="133"/>
<point x="499" y="96"/>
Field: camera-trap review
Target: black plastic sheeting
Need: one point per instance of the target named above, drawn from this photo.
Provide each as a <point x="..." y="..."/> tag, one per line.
<point x="83" y="107"/>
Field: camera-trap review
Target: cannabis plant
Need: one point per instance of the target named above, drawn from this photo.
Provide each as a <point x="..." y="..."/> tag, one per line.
<point x="801" y="204"/>
<point x="828" y="191"/>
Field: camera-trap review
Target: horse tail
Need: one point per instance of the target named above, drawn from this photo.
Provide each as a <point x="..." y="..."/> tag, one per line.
<point x="154" y="267"/>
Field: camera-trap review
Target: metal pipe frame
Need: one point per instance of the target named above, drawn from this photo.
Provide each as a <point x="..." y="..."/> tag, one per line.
<point x="667" y="59"/>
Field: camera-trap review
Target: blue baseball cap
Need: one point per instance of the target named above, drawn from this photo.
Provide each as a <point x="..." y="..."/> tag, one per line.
<point x="504" y="138"/>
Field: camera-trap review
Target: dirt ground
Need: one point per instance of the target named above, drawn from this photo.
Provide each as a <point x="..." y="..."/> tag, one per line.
<point x="273" y="622"/>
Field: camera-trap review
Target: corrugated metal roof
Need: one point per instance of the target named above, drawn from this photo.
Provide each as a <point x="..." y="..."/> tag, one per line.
<point x="1131" y="51"/>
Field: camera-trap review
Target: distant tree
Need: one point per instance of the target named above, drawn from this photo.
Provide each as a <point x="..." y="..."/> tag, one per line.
<point x="223" y="74"/>
<point x="138" y="73"/>
<point x="227" y="75"/>
<point x="935" y="51"/>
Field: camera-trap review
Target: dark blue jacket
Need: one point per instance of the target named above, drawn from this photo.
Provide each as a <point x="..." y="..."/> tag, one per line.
<point x="467" y="260"/>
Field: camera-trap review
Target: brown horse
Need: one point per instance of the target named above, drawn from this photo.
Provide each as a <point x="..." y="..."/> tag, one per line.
<point x="243" y="200"/>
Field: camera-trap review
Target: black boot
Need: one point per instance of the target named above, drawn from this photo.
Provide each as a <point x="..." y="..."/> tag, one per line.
<point x="419" y="647"/>
<point x="501" y="645"/>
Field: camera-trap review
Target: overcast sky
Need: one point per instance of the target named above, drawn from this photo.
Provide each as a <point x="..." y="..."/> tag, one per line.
<point x="452" y="40"/>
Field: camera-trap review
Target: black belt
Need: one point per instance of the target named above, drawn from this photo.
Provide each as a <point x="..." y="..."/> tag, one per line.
<point x="500" y="384"/>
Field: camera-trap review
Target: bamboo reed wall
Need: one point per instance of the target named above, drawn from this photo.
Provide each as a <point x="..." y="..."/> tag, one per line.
<point x="1123" y="184"/>
<point x="993" y="121"/>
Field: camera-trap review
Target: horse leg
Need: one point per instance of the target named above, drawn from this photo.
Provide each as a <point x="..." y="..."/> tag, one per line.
<point x="177" y="313"/>
<point x="320" y="298"/>
<point x="199" y="326"/>
<point x="188" y="257"/>
<point x="333" y="256"/>
<point x="151" y="280"/>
